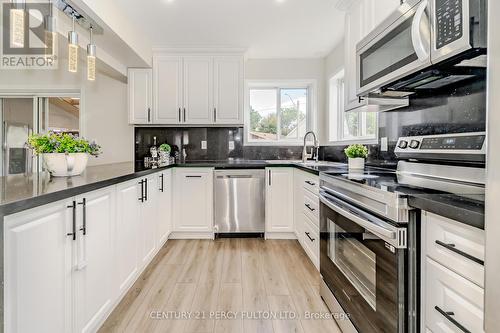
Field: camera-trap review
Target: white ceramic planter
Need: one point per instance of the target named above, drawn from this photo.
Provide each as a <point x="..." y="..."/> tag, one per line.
<point x="64" y="165"/>
<point x="164" y="156"/>
<point x="356" y="163"/>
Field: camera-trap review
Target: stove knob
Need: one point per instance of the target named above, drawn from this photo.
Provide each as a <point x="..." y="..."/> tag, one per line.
<point x="414" y="144"/>
<point x="403" y="144"/>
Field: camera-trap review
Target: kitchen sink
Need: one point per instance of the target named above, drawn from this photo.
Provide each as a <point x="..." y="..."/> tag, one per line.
<point x="283" y="161"/>
<point x="323" y="163"/>
<point x="308" y="163"/>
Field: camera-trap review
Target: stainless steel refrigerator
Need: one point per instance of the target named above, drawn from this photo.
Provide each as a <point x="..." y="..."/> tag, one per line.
<point x="17" y="124"/>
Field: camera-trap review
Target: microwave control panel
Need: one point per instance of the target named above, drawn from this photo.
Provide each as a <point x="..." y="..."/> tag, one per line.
<point x="449" y="22"/>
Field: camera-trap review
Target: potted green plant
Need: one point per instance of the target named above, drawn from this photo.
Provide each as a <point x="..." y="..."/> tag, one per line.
<point x="164" y="152"/>
<point x="63" y="154"/>
<point x="356" y="154"/>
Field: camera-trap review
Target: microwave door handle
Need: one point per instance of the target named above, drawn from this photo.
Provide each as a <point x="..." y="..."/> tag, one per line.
<point x="421" y="43"/>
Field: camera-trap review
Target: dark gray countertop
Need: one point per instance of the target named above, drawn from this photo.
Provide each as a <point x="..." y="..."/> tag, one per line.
<point x="20" y="192"/>
<point x="465" y="210"/>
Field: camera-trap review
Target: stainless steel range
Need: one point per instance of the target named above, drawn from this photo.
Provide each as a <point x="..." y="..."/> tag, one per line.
<point x="369" y="234"/>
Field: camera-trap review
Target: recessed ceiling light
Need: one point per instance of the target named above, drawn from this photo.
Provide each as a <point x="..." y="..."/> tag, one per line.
<point x="280" y="1"/>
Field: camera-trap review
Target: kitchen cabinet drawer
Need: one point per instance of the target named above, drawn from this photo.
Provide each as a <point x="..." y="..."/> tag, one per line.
<point x="310" y="207"/>
<point x="311" y="183"/>
<point x="310" y="239"/>
<point x="456" y="246"/>
<point x="452" y="301"/>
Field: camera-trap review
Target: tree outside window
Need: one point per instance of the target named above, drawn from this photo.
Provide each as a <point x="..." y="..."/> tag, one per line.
<point x="278" y="114"/>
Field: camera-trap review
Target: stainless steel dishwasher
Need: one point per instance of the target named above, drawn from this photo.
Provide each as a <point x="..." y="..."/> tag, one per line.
<point x="239" y="202"/>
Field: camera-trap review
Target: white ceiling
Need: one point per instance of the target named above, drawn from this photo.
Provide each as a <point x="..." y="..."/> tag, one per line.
<point x="266" y="28"/>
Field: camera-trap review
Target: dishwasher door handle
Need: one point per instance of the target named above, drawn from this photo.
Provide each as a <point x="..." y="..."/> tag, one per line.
<point x="235" y="177"/>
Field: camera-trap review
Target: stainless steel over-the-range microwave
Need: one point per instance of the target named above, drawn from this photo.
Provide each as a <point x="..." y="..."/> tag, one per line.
<point x="421" y="34"/>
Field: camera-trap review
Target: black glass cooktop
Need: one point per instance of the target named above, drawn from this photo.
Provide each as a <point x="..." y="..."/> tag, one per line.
<point x="394" y="182"/>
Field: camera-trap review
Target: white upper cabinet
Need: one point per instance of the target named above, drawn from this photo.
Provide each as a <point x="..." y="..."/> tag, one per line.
<point x="140" y="95"/>
<point x="361" y="18"/>
<point x="198" y="90"/>
<point x="228" y="90"/>
<point x="353" y="33"/>
<point x="167" y="82"/>
<point x="381" y="9"/>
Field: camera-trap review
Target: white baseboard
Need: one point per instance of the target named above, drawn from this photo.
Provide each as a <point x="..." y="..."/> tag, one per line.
<point x="280" y="235"/>
<point x="191" y="235"/>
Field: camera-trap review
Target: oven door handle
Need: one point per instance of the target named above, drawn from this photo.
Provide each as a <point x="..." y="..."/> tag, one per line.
<point x="389" y="233"/>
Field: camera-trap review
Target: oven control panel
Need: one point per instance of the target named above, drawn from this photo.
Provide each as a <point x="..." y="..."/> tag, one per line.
<point x="460" y="145"/>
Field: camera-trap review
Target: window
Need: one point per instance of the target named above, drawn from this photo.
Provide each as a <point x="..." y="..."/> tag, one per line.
<point x="24" y="115"/>
<point x="278" y="113"/>
<point x="348" y="126"/>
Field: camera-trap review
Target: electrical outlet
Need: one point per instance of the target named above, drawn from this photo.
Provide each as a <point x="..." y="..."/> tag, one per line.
<point x="203" y="145"/>
<point x="231" y="145"/>
<point x="383" y="144"/>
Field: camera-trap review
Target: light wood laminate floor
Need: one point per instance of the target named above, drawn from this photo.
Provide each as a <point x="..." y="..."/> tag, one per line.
<point x="259" y="286"/>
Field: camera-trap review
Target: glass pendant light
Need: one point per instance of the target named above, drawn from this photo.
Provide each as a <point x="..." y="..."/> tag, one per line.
<point x="16" y="26"/>
<point x="50" y="32"/>
<point x="91" y="52"/>
<point x="73" y="49"/>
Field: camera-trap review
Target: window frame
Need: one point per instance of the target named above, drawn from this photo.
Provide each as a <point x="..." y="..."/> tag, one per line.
<point x="336" y="116"/>
<point x="310" y="85"/>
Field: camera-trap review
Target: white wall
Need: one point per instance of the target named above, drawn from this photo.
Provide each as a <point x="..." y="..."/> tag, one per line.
<point x="292" y="69"/>
<point x="103" y="105"/>
<point x="334" y="62"/>
<point x="492" y="225"/>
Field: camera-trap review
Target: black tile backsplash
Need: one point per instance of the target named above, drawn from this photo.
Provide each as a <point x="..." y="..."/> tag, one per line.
<point x="461" y="110"/>
<point x="217" y="138"/>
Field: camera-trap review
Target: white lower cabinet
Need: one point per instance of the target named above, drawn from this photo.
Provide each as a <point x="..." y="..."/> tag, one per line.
<point x="193" y="202"/>
<point x="279" y="202"/>
<point x="94" y="258"/>
<point x="127" y="243"/>
<point x="148" y="218"/>
<point x="452" y="275"/>
<point x="306" y="213"/>
<point x="453" y="302"/>
<point x="38" y="263"/>
<point x="164" y="207"/>
<point x="67" y="264"/>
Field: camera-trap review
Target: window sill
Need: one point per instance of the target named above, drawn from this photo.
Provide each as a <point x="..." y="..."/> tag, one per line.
<point x="363" y="141"/>
<point x="275" y="143"/>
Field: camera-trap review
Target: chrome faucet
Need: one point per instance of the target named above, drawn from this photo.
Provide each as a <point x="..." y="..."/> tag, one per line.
<point x="314" y="151"/>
